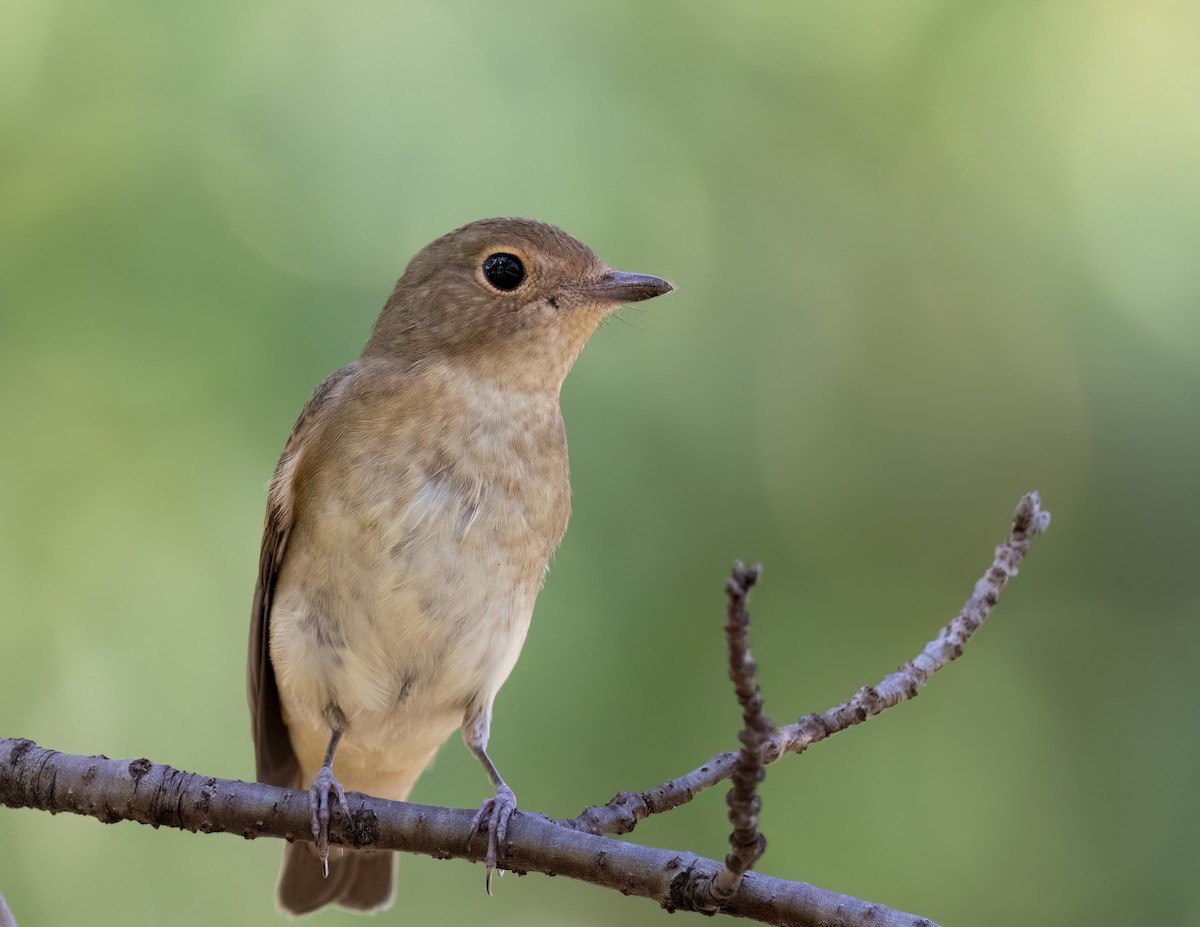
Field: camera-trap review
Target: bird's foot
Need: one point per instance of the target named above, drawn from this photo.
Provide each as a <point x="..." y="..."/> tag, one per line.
<point x="493" y="816"/>
<point x="318" y="801"/>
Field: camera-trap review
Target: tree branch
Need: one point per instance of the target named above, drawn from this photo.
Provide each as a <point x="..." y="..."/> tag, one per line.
<point x="158" y="795"/>
<point x="625" y="809"/>
<point x="138" y="790"/>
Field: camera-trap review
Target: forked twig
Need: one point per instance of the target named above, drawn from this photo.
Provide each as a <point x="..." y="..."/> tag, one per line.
<point x="622" y="813"/>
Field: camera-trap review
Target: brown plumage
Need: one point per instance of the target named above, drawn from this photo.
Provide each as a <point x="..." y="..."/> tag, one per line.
<point x="409" y="525"/>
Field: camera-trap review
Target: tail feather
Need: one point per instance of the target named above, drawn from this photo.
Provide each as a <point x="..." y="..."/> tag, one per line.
<point x="362" y="880"/>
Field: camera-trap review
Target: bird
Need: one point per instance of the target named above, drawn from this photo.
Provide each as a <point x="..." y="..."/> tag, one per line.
<point x="410" y="524"/>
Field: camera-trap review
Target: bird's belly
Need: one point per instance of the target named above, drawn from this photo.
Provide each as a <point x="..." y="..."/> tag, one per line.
<point x="401" y="625"/>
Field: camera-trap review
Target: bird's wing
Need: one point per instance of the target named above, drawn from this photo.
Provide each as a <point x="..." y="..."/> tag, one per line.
<point x="275" y="759"/>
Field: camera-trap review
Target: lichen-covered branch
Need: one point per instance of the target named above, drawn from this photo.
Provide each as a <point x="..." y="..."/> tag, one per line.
<point x="625" y="809"/>
<point x="155" y="794"/>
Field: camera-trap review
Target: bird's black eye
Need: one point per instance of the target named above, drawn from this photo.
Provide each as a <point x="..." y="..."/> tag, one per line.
<point x="504" y="271"/>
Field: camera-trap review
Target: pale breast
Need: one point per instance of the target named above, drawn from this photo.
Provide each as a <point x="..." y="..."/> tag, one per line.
<point x="419" y="546"/>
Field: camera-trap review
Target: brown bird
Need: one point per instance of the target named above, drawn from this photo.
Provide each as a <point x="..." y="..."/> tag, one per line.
<point x="410" y="523"/>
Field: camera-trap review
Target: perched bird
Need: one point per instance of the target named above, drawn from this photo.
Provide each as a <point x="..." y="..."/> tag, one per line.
<point x="410" y="522"/>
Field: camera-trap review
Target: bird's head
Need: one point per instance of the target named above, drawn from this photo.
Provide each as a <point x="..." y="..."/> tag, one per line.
<point x="504" y="295"/>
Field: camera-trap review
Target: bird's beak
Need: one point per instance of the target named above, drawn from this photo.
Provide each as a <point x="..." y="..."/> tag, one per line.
<point x="616" y="286"/>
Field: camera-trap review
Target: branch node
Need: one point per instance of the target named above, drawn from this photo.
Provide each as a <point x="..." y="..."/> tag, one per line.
<point x="139" y="768"/>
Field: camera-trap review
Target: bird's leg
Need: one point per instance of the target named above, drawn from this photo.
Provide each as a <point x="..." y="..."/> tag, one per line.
<point x="494" y="812"/>
<point x="324" y="785"/>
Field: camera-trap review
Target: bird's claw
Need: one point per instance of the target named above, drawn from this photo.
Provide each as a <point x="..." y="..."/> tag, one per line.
<point x="318" y="803"/>
<point x="493" y="816"/>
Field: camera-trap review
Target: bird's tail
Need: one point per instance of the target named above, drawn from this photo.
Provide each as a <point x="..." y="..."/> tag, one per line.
<point x="363" y="880"/>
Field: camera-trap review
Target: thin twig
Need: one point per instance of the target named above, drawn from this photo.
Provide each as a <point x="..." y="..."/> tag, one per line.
<point x="625" y="809"/>
<point x="746" y="844"/>
<point x="6" y="916"/>
<point x="138" y="790"/>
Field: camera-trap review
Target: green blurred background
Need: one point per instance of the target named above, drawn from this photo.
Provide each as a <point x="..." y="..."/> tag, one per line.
<point x="930" y="254"/>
